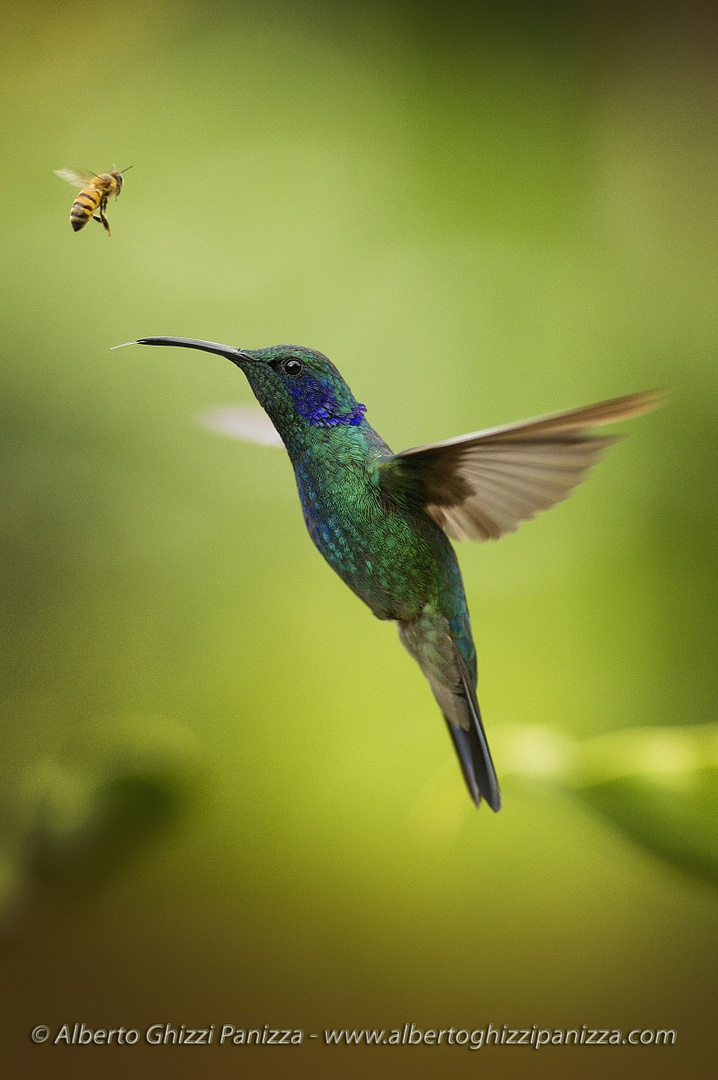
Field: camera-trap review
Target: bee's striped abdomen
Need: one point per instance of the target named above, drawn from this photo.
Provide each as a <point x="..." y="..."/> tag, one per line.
<point x="84" y="207"/>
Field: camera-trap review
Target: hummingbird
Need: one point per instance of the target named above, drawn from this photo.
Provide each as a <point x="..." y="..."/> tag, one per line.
<point x="383" y="521"/>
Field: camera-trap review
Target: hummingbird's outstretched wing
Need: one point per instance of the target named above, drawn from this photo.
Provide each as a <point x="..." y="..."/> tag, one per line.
<point x="482" y="486"/>
<point x="247" y="422"/>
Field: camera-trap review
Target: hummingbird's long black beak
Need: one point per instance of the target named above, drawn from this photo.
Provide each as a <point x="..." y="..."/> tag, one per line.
<point x="237" y="356"/>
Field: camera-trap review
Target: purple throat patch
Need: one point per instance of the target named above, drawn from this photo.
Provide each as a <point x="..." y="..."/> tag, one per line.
<point x="317" y="403"/>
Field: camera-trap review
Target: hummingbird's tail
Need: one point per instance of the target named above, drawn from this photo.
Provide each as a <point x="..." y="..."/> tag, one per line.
<point x="428" y="639"/>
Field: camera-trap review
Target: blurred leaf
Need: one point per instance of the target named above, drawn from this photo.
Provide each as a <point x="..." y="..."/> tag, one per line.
<point x="658" y="785"/>
<point x="88" y="810"/>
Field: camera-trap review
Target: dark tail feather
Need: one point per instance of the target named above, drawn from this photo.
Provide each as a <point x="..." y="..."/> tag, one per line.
<point x="456" y="696"/>
<point x="472" y="745"/>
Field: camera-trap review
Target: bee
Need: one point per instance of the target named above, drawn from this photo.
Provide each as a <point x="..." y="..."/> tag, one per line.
<point x="96" y="190"/>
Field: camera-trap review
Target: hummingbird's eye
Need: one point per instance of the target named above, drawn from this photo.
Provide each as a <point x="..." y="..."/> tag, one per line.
<point x="293" y="367"/>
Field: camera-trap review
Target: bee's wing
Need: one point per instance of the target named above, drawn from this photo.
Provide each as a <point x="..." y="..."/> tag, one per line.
<point x="77" y="177"/>
<point x="247" y="422"/>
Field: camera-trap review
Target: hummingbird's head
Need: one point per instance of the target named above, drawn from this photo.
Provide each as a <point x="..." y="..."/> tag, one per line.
<point x="299" y="388"/>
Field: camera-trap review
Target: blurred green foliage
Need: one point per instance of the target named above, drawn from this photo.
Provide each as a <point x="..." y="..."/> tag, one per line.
<point x="73" y="820"/>
<point x="659" y="786"/>
<point x="669" y="804"/>
<point x="86" y="813"/>
<point x="480" y="214"/>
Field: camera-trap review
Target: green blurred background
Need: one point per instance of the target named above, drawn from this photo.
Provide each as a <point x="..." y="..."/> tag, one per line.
<point x="226" y="792"/>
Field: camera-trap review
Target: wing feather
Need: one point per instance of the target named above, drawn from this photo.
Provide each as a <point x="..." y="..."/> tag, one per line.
<point x="483" y="485"/>
<point x="247" y="422"/>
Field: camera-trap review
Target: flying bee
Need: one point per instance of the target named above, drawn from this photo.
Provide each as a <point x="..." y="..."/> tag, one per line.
<point x="96" y="190"/>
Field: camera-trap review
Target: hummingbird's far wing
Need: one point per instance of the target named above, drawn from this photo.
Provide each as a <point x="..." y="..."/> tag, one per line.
<point x="247" y="422"/>
<point x="482" y="486"/>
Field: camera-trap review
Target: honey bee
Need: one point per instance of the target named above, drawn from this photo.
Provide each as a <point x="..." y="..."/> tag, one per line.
<point x="96" y="190"/>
